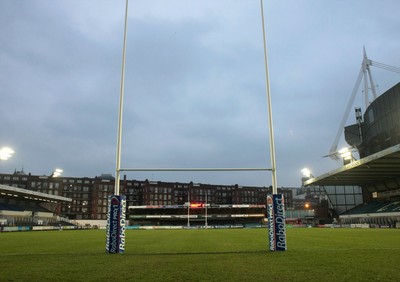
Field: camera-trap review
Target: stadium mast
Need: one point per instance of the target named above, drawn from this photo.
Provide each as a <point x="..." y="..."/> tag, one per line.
<point x="365" y="73"/>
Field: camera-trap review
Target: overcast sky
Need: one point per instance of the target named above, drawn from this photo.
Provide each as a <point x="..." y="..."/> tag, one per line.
<point x="194" y="87"/>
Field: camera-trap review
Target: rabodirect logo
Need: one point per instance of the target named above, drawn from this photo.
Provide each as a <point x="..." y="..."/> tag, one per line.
<point x="114" y="201"/>
<point x="271" y="225"/>
<point x="113" y="236"/>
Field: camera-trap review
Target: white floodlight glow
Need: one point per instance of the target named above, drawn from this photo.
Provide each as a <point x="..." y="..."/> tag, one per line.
<point x="6" y="153"/>
<point x="306" y="172"/>
<point x="57" y="172"/>
<point x="345" y="154"/>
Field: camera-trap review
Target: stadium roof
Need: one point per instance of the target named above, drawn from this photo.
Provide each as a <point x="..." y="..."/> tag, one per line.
<point x="377" y="172"/>
<point x="33" y="195"/>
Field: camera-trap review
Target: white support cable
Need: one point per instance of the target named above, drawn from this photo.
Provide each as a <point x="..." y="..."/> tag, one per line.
<point x="385" y="67"/>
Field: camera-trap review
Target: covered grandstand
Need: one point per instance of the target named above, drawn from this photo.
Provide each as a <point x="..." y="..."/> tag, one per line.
<point x="370" y="187"/>
<point x="366" y="191"/>
<point x="198" y="215"/>
<point x="22" y="209"/>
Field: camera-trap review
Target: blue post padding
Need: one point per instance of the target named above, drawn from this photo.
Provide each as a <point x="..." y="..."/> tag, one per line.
<point x="115" y="238"/>
<point x="276" y="222"/>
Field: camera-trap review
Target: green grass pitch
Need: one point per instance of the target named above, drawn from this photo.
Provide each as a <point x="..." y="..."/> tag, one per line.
<point x="202" y="255"/>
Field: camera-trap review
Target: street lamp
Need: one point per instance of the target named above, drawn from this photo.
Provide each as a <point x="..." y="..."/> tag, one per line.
<point x="5" y="153"/>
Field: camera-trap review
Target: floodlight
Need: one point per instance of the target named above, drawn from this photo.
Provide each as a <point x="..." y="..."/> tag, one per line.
<point x="346" y="155"/>
<point x="5" y="153"/>
<point x="57" y="172"/>
<point x="306" y="172"/>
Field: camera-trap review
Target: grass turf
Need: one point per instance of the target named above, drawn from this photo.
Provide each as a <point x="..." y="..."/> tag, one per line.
<point x="199" y="255"/>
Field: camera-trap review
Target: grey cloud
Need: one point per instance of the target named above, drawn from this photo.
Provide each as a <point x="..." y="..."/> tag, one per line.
<point x="195" y="83"/>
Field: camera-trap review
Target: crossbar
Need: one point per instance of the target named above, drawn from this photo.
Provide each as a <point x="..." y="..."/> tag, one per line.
<point x="196" y="169"/>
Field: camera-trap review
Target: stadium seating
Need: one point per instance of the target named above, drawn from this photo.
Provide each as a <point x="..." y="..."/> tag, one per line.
<point x="376" y="207"/>
<point x="10" y="207"/>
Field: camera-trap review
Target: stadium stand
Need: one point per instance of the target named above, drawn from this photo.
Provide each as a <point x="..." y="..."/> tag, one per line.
<point x="374" y="214"/>
<point x="22" y="209"/>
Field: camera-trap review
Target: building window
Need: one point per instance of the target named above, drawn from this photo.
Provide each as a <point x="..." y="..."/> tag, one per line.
<point x="371" y="115"/>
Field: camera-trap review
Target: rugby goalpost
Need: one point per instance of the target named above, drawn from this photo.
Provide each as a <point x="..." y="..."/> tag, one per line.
<point x="117" y="204"/>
